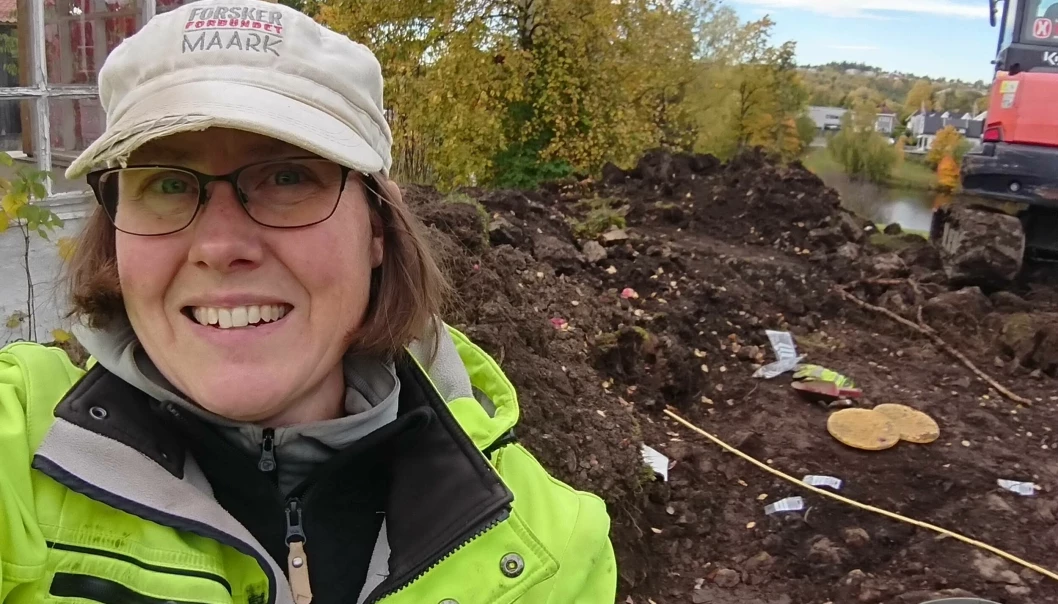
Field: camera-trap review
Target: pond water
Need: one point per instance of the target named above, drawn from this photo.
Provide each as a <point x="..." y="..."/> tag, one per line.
<point x="912" y="209"/>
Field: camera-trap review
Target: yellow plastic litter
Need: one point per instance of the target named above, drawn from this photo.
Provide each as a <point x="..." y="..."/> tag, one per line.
<point x="863" y="429"/>
<point x="817" y="373"/>
<point x="914" y="425"/>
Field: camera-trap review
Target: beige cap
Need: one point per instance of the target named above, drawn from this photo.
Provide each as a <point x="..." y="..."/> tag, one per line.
<point x="247" y="65"/>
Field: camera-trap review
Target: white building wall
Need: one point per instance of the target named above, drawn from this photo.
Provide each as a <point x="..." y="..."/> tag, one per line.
<point x="45" y="268"/>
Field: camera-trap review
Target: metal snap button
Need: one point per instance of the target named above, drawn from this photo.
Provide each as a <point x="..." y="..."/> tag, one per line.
<point x="512" y="565"/>
<point x="98" y="413"/>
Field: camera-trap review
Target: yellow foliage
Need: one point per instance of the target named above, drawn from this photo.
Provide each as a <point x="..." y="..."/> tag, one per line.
<point x="470" y="84"/>
<point x="945" y="145"/>
<point x="948" y="174"/>
<point x="67" y="246"/>
<point x="12" y="202"/>
<point x="14" y="321"/>
<point x="61" y="336"/>
<point x="920" y="96"/>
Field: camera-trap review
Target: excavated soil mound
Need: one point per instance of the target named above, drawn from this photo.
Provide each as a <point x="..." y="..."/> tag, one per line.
<point x="601" y="329"/>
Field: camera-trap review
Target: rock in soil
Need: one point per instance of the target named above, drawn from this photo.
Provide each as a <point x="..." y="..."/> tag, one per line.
<point x="856" y="538"/>
<point x="823" y="551"/>
<point x="995" y="569"/>
<point x="594" y="252"/>
<point x="726" y="577"/>
<point x="1009" y="301"/>
<point x="561" y="255"/>
<point x="967" y="305"/>
<point x="988" y="249"/>
<point x="1031" y="340"/>
<point x="852" y="227"/>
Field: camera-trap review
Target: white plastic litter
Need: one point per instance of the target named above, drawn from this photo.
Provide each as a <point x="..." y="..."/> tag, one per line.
<point x="782" y="343"/>
<point x="790" y="504"/>
<point x="657" y="461"/>
<point x="1025" y="489"/>
<point x="823" y="481"/>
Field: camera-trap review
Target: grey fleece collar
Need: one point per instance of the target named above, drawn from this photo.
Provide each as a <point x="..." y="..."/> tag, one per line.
<point x="372" y="393"/>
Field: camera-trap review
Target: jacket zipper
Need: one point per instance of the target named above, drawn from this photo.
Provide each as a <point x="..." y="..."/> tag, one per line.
<point x="267" y="462"/>
<point x="297" y="559"/>
<point x="63" y="547"/>
<point x="416" y="574"/>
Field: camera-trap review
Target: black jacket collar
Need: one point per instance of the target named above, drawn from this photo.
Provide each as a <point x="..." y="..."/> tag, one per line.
<point x="442" y="491"/>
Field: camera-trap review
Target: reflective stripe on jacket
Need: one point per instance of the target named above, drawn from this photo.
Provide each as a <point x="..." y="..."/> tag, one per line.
<point x="87" y="516"/>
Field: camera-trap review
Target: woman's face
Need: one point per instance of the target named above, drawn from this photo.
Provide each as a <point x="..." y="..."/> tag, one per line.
<point x="277" y="372"/>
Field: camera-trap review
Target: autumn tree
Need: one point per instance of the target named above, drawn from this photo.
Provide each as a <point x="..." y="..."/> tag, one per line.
<point x="511" y="92"/>
<point x="919" y="97"/>
<point x="948" y="143"/>
<point x="862" y="151"/>
<point x="748" y="92"/>
<point x="948" y="174"/>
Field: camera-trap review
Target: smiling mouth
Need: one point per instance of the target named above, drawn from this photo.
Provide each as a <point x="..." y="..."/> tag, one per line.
<point x="237" y="316"/>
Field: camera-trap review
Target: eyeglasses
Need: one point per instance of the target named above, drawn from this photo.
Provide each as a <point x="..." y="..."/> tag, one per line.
<point x="161" y="200"/>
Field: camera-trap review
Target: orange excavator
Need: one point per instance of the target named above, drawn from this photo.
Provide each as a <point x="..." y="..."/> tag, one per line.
<point x="1010" y="179"/>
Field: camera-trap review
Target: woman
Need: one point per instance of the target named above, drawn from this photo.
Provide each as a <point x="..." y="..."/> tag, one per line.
<point x="272" y="411"/>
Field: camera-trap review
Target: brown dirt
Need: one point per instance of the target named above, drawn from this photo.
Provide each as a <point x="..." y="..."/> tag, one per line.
<point x="717" y="253"/>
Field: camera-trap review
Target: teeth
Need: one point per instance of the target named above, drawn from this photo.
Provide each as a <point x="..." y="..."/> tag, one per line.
<point x="239" y="316"/>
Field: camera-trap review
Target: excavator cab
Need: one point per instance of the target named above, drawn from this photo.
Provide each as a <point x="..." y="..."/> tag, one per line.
<point x="1010" y="179"/>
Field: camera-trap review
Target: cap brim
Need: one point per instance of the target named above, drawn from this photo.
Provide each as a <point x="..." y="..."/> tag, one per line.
<point x="195" y="106"/>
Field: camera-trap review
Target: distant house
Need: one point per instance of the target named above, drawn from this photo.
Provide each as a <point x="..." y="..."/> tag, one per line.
<point x="886" y="121"/>
<point x="828" y="119"/>
<point x="924" y="126"/>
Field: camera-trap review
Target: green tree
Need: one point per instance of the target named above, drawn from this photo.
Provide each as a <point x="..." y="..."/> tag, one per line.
<point x="17" y="208"/>
<point x="861" y="150"/>
<point x="806" y="129"/>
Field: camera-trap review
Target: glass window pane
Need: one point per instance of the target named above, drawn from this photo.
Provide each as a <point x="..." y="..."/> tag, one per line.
<point x="75" y="123"/>
<point x="79" y="34"/>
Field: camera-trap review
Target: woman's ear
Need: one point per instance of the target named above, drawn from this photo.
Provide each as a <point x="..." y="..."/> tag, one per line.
<point x="389" y="194"/>
<point x="378" y="240"/>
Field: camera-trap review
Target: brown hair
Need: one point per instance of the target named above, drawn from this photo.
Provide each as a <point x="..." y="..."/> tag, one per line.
<point x="408" y="290"/>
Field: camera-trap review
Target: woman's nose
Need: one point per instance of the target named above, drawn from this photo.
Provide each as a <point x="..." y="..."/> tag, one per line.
<point x="224" y="237"/>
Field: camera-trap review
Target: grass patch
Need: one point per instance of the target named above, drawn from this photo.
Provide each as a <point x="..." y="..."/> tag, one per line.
<point x="463" y="198"/>
<point x="896" y="243"/>
<point x="912" y="173"/>
<point x="602" y="215"/>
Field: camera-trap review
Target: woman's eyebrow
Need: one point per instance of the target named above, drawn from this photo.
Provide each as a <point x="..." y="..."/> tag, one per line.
<point x="163" y="155"/>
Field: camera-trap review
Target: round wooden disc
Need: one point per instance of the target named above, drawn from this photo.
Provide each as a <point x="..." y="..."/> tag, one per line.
<point x="914" y="425"/>
<point x="863" y="429"/>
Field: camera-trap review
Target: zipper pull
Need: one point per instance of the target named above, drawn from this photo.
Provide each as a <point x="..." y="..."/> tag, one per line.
<point x="267" y="463"/>
<point x="297" y="559"/>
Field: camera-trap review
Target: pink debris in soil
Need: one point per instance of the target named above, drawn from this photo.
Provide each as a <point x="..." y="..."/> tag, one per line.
<point x="629" y="293"/>
<point x="559" y="323"/>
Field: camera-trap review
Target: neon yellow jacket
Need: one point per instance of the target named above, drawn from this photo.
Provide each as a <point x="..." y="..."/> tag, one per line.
<point x="88" y="517"/>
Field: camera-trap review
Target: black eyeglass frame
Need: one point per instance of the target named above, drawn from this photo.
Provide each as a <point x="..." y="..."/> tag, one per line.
<point x="95" y="180"/>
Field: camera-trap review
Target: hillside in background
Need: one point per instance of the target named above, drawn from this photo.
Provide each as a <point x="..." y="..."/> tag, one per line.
<point x="844" y="84"/>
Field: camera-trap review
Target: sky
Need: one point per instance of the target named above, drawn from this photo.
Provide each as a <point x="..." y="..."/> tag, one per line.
<point x="938" y="38"/>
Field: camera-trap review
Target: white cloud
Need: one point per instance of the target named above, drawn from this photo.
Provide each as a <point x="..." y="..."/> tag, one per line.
<point x="853" y="47"/>
<point x="873" y="8"/>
